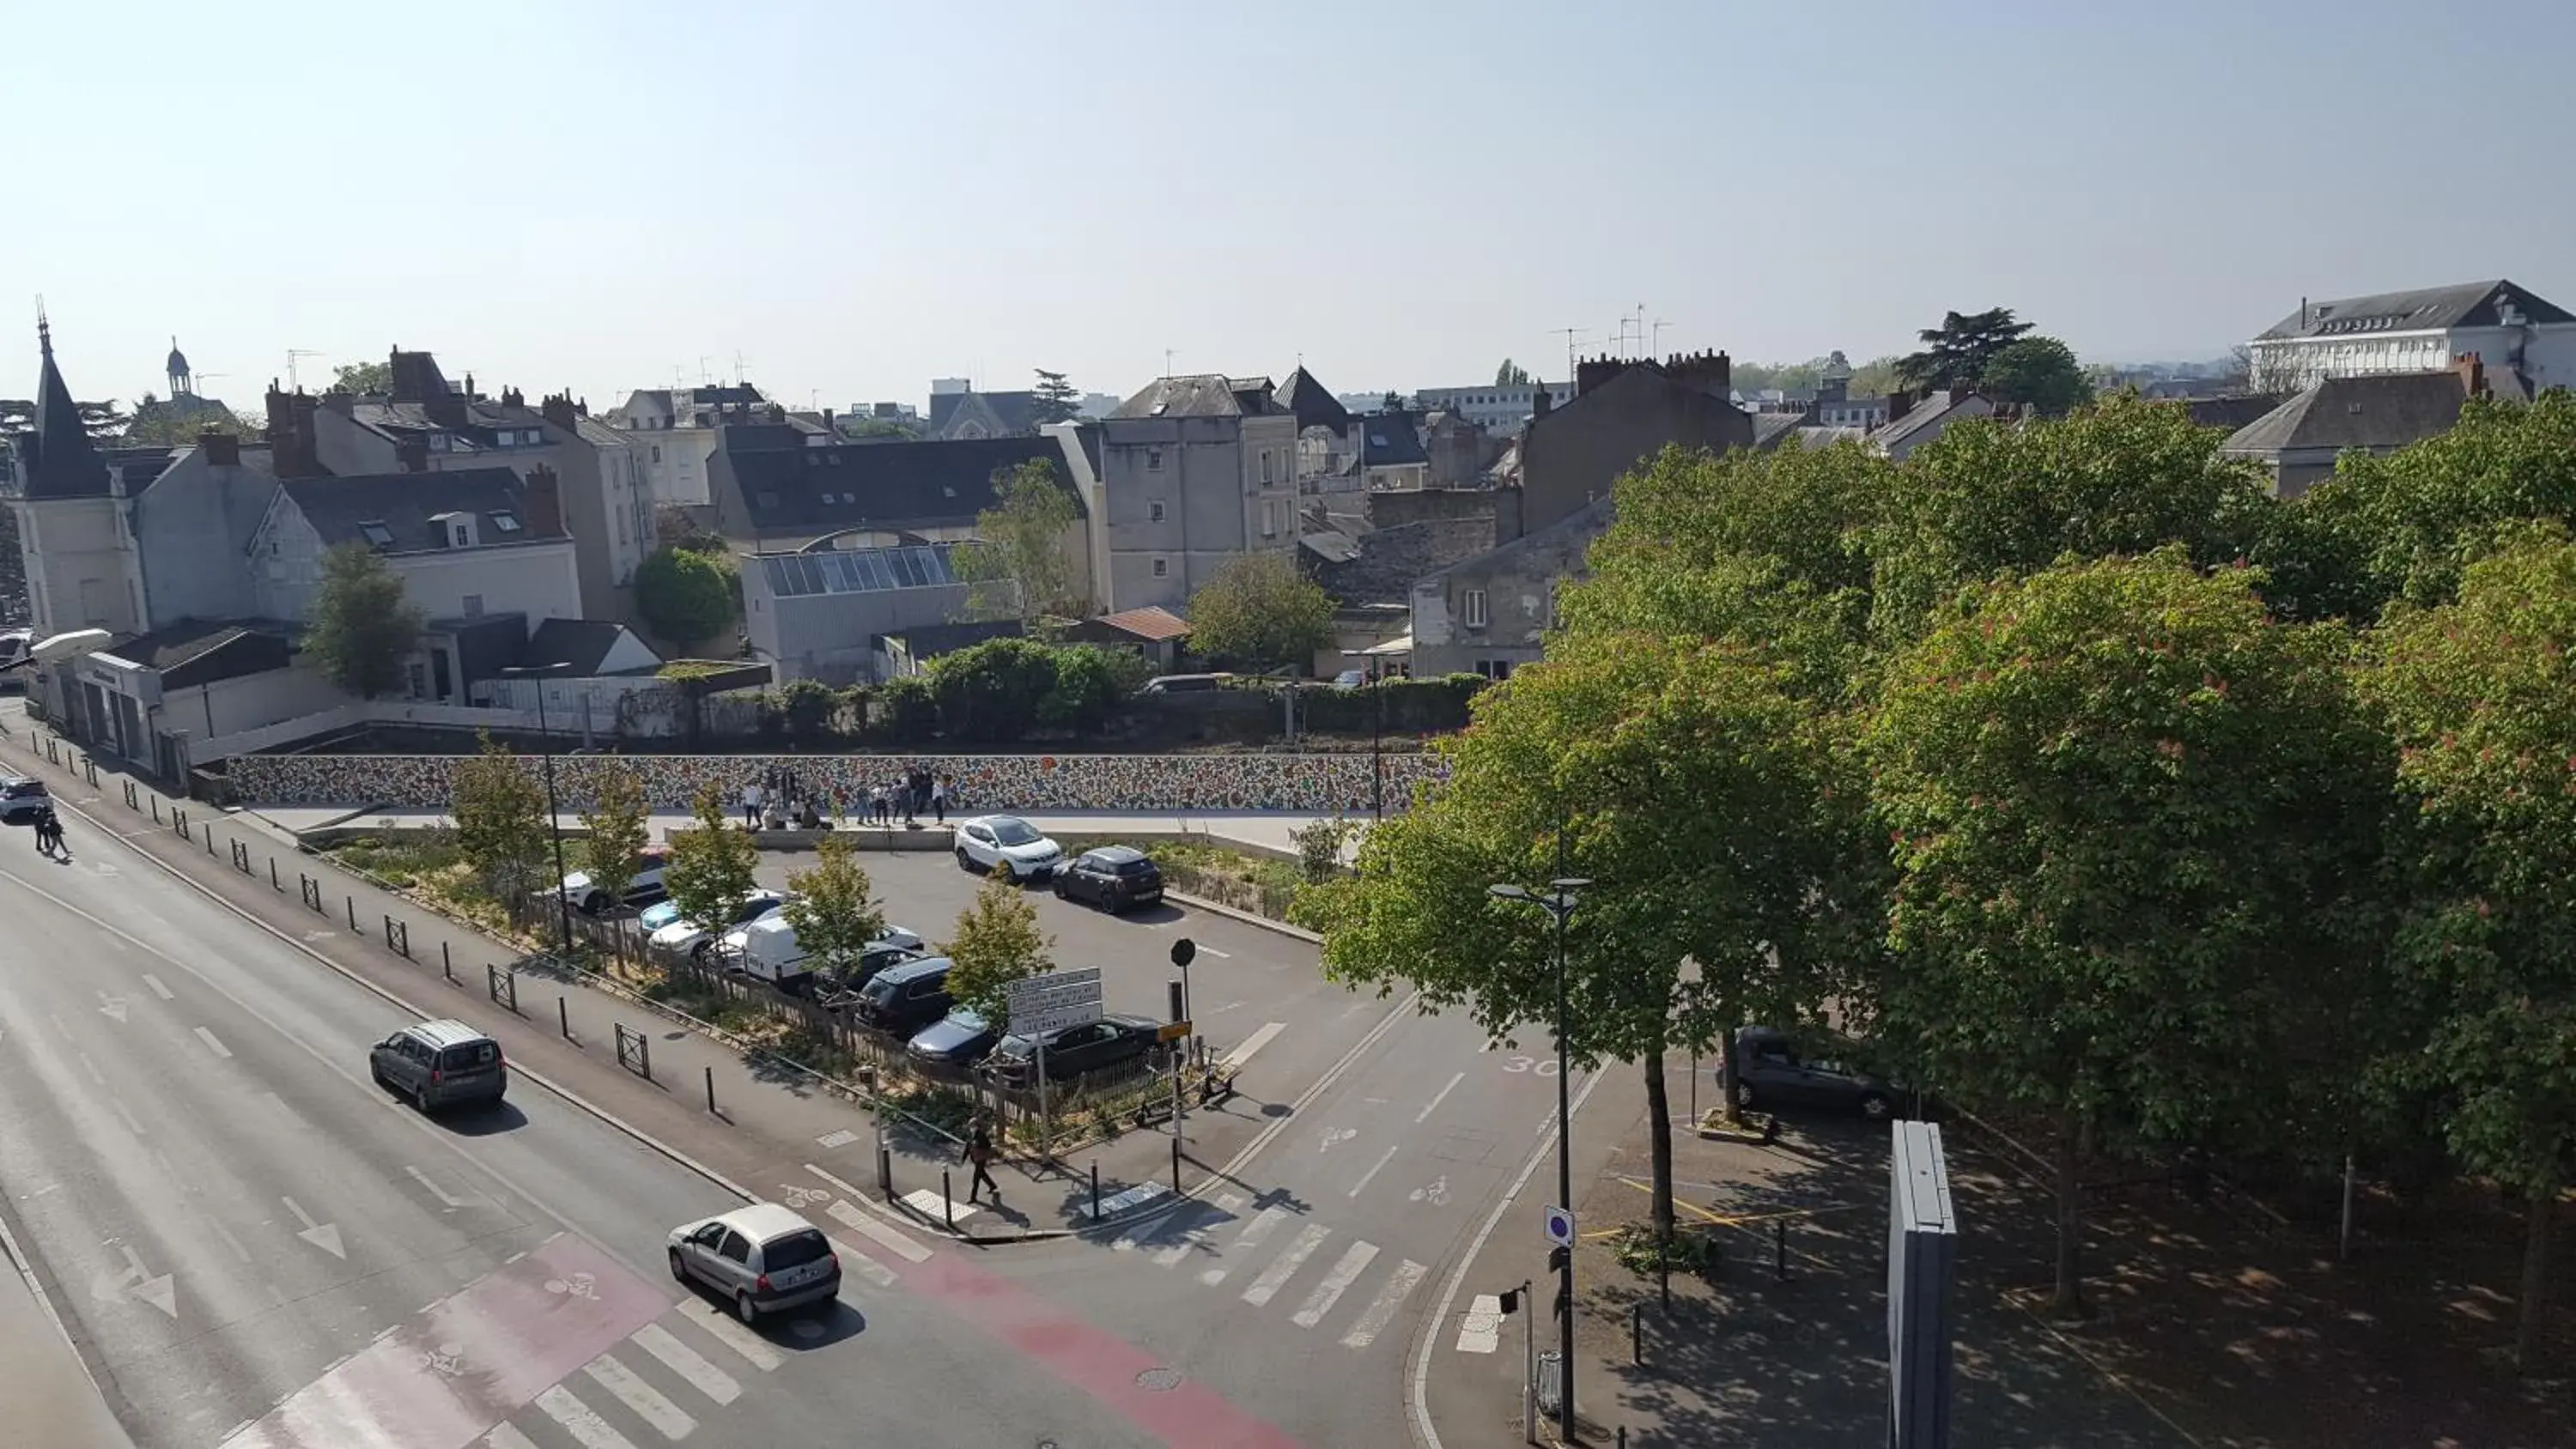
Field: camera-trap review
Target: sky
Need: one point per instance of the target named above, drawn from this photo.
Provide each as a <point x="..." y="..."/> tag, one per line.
<point x="847" y="200"/>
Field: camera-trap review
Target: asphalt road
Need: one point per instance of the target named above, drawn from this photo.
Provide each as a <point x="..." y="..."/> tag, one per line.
<point x="253" y="1246"/>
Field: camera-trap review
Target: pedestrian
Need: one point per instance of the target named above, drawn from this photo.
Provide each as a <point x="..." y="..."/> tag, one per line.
<point x="950" y="781"/>
<point x="49" y="831"/>
<point x="979" y="1151"/>
<point x="939" y="801"/>
<point x="751" y="805"/>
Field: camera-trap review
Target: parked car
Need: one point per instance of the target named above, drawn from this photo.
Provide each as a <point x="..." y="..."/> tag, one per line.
<point x="1350" y="679"/>
<point x="1073" y="1051"/>
<point x="657" y="915"/>
<point x="642" y="889"/>
<point x="995" y="844"/>
<point x="20" y="795"/>
<point x="439" y="1064"/>
<point x="836" y="988"/>
<point x="954" y="1042"/>
<point x="1185" y="683"/>
<point x="692" y="939"/>
<point x="1113" y="878"/>
<point x="767" y="950"/>
<point x="1772" y="1071"/>
<point x="762" y="1258"/>
<point x="907" y="996"/>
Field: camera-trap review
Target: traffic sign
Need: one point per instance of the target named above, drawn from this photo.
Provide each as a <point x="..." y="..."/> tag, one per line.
<point x="1042" y="1005"/>
<point x="1172" y="1031"/>
<point x="1560" y="1227"/>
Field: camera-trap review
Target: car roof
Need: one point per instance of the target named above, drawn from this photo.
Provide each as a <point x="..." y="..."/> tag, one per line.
<point x="15" y="779"/>
<point x="1114" y="854"/>
<point x="447" y="1031"/>
<point x="764" y="1222"/>
<point x="992" y="820"/>
<point x="914" y="969"/>
<point x="772" y="925"/>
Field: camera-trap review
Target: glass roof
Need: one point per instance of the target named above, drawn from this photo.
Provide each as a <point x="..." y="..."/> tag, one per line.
<point x="856" y="571"/>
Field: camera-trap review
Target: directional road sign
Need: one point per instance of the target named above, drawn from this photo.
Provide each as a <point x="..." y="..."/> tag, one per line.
<point x="1045" y="1004"/>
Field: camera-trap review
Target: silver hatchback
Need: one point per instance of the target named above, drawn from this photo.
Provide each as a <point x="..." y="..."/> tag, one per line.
<point x="763" y="1258"/>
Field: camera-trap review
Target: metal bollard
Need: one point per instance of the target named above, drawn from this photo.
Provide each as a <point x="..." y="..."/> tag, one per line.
<point x="885" y="1169"/>
<point x="1095" y="1189"/>
<point x="1176" y="1163"/>
<point x="1780" y="1250"/>
<point x="947" y="1200"/>
<point x="711" y="1092"/>
<point x="273" y="882"/>
<point x="563" y="1016"/>
<point x="353" y="911"/>
<point x="1623" y="1436"/>
<point x="446" y="962"/>
<point x="1637" y="1333"/>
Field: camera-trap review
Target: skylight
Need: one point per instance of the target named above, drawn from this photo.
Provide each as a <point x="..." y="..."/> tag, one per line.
<point x="505" y="522"/>
<point x="377" y="535"/>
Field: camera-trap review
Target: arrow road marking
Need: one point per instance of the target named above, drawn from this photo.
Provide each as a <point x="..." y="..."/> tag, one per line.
<point x="113" y="1007"/>
<point x="325" y="1236"/>
<point x="138" y="1283"/>
<point x="435" y="1190"/>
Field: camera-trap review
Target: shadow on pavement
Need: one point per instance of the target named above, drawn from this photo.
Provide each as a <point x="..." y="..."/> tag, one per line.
<point x="492" y="1121"/>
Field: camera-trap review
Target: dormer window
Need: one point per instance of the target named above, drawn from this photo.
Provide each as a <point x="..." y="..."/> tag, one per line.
<point x="505" y="523"/>
<point x="376" y="535"/>
<point x="438" y="442"/>
<point x="459" y="536"/>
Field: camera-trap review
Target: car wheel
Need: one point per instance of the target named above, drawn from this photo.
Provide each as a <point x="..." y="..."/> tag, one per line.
<point x="593" y="904"/>
<point x="420" y="1099"/>
<point x="964" y="861"/>
<point x="745" y="1309"/>
<point x="1744" y="1094"/>
<point x="698" y="952"/>
<point x="377" y="1074"/>
<point x="679" y="1269"/>
<point x="1875" y="1106"/>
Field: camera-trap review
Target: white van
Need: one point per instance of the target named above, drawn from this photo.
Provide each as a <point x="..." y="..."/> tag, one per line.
<point x="766" y="950"/>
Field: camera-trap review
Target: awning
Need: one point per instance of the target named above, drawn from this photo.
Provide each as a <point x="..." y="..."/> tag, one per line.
<point x="1400" y="644"/>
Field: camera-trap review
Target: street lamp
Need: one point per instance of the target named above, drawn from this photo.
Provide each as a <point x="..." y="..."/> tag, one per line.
<point x="1559" y="902"/>
<point x="554" y="817"/>
<point x="1377" y="736"/>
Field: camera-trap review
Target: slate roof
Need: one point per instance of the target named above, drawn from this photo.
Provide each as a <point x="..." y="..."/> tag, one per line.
<point x="1592" y="518"/>
<point x="2428" y="309"/>
<point x="1922" y="415"/>
<point x="1390" y="559"/>
<point x="1388" y="440"/>
<point x="581" y="645"/>
<point x="1201" y="396"/>
<point x="2384" y="410"/>
<point x="1772" y="429"/>
<point x="404" y="503"/>
<point x="1151" y="622"/>
<point x="1313" y="404"/>
<point x="60" y="459"/>
<point x="191" y="652"/>
<point x="811" y="491"/>
<point x="2230" y="413"/>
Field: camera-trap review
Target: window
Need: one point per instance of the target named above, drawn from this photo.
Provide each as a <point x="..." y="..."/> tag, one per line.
<point x="438" y="442"/>
<point x="1265" y="467"/>
<point x="376" y="535"/>
<point x="505" y="523"/>
<point x="1154" y="511"/>
<point x="1162" y="568"/>
<point x="1494" y="669"/>
<point x="1471" y="608"/>
<point x="474" y="606"/>
<point x="459" y="536"/>
<point x="657" y="452"/>
<point x="1269" y="518"/>
<point x="1153" y="460"/>
<point x="419" y="681"/>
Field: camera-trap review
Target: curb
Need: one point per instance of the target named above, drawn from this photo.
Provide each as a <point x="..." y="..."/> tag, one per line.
<point x="1202" y="903"/>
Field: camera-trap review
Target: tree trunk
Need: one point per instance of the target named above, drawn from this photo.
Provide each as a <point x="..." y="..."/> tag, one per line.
<point x="1659" y="1111"/>
<point x="2535" y="1279"/>
<point x="2069" y="1299"/>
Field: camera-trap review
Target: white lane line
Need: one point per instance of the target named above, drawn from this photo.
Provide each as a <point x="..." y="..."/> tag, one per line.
<point x="154" y="982"/>
<point x="212" y="1045"/>
<point x="1262" y="1225"/>
<point x="232" y="1242"/>
<point x="731" y="1334"/>
<point x="1481" y="1331"/>
<point x="1235" y="1059"/>
<point x="1212" y="951"/>
<point x="435" y="1190"/>
<point x="123" y="1111"/>
<point x="1372" y="1172"/>
<point x="578" y="1418"/>
<point x="91" y="1067"/>
<point x="1399" y="1284"/>
<point x="1354" y="1262"/>
<point x="1227" y="1205"/>
<point x="647" y="1401"/>
<point x="505" y="1437"/>
<point x="868" y="1227"/>
<point x="1425" y="1114"/>
<point x="1285" y="1266"/>
<point x="839" y="1186"/>
<point x="687" y="1362"/>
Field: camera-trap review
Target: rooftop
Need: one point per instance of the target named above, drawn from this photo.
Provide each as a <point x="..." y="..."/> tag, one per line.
<point x="2428" y="309"/>
<point x="1204" y="395"/>
<point x="793" y="489"/>
<point x="859" y="570"/>
<point x="393" y="512"/>
<point x="2383" y="410"/>
<point x="1152" y="622"/>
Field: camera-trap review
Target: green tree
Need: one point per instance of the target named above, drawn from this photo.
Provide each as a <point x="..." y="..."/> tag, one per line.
<point x="170" y="428"/>
<point x="995" y="690"/>
<point x="1876" y="378"/>
<point x="1511" y="374"/>
<point x="834" y="907"/>
<point x="880" y="429"/>
<point x="1054" y="400"/>
<point x="997" y="942"/>
<point x="2125" y="808"/>
<point x="2039" y="373"/>
<point x="1259" y="612"/>
<point x="618" y="830"/>
<point x="807" y="707"/>
<point x="685" y="595"/>
<point x="500" y="813"/>
<point x="361" y="631"/>
<point x="710" y="864"/>
<point x="1090" y="683"/>
<point x="362" y="377"/>
<point x="2480" y="700"/>
<point x="1956" y="353"/>
<point x="1024" y="569"/>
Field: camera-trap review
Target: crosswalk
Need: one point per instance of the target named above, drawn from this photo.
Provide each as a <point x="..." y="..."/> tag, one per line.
<point x="1219" y="1234"/>
<point x="689" y="1361"/>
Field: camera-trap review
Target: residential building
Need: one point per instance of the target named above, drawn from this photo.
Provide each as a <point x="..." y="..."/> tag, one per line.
<point x="1457" y="449"/>
<point x="1915" y="421"/>
<point x="1328" y="440"/>
<point x="1489" y="614"/>
<point x="773" y="493"/>
<point x="1623" y="411"/>
<point x="1192" y="471"/>
<point x="2506" y="326"/>
<point x="1391" y="453"/>
<point x="2298" y="442"/>
<point x="1501" y="408"/>
<point x="676" y="430"/>
<point x="825" y="613"/>
<point x="155" y="699"/>
<point x="189" y="529"/>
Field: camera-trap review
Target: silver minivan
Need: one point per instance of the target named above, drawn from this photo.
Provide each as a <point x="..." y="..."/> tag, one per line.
<point x="762" y="1258"/>
<point x="440" y="1063"/>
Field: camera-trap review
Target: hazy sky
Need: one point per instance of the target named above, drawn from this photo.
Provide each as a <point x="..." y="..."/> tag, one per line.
<point x="858" y="197"/>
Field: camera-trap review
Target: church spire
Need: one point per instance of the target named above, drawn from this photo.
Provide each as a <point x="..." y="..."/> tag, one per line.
<point x="61" y="462"/>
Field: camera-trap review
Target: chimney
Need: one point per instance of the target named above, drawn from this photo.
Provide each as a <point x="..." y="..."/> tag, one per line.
<point x="1900" y="402"/>
<point x="412" y="456"/>
<point x="559" y="412"/>
<point x="511" y="397"/>
<point x="290" y="435"/>
<point x="223" y="450"/>
<point x="1541" y="400"/>
<point x="544" y="503"/>
<point x="2472" y="373"/>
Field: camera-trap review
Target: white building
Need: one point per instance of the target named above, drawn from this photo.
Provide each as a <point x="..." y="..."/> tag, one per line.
<point x="1498" y="410"/>
<point x="678" y="429"/>
<point x="2506" y="327"/>
<point x="1193" y="471"/>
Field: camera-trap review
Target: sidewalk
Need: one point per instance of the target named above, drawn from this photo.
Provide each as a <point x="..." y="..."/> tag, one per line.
<point x="46" y="1397"/>
<point x="759" y="1125"/>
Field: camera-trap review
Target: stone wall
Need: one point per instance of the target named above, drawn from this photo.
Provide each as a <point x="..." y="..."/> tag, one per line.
<point x="1304" y="784"/>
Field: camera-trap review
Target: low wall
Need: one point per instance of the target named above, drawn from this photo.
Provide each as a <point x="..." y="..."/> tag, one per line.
<point x="1317" y="784"/>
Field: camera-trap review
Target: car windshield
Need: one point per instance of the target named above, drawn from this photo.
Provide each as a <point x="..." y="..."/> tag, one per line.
<point x="965" y="1022"/>
<point x="794" y="1251"/>
<point x="1016" y="832"/>
<point x="880" y="989"/>
<point x="660" y="914"/>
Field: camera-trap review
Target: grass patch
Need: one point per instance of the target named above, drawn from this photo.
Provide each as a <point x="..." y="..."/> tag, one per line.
<point x="1686" y="1252"/>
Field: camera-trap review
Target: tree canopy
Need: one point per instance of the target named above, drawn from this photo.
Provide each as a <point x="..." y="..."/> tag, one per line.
<point x="996" y="943"/>
<point x="500" y="821"/>
<point x="362" y="377"/>
<point x="1054" y="400"/>
<point x="2039" y="373"/>
<point x="1511" y="374"/>
<point x="361" y="631"/>
<point x="710" y="864"/>
<point x="1257" y="611"/>
<point x="685" y="595"/>
<point x="834" y="906"/>
<point x="616" y="831"/>
<point x="1024" y="569"/>
<point x="1957" y="353"/>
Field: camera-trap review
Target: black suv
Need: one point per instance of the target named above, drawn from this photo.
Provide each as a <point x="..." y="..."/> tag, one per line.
<point x="1113" y="878"/>
<point x="907" y="996"/>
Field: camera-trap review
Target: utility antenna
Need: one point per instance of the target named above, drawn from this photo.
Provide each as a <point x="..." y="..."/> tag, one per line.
<point x="702" y="371"/>
<point x="1573" y="336"/>
<point x="737" y="367"/>
<point x="292" y="354"/>
<point x="1658" y="349"/>
<point x="1168" y="355"/>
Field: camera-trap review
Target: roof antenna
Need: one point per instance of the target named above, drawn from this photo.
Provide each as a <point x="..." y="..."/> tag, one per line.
<point x="44" y="329"/>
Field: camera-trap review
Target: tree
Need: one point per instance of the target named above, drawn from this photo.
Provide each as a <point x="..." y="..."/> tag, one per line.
<point x="711" y="863"/>
<point x="1393" y="402"/>
<point x="2126" y="811"/>
<point x="1956" y="353"/>
<point x="500" y="821"/>
<point x="880" y="429"/>
<point x="2039" y="373"/>
<point x="618" y="831"/>
<point x="361" y="631"/>
<point x="166" y="427"/>
<point x="1258" y="611"/>
<point x="685" y="595"/>
<point x="1054" y="400"/>
<point x="1876" y="378"/>
<point x="362" y="377"/>
<point x="807" y="706"/>
<point x="992" y="690"/>
<point x="833" y="907"/>
<point x="1023" y="570"/>
<point x="1681" y="778"/>
<point x="997" y="943"/>
<point x="1511" y="374"/>
<point x="2478" y="697"/>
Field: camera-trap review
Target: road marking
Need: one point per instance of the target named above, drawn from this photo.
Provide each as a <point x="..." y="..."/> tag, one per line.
<point x="845" y="1189"/>
<point x="1355" y="1261"/>
<point x="325" y="1236"/>
<point x="733" y="1335"/>
<point x="1335" y="1135"/>
<point x="688" y="1363"/>
<point x="123" y="1111"/>
<point x="1481" y="1331"/>
<point x="648" y="1402"/>
<point x="868" y="1227"/>
<point x="577" y="1417"/>
<point x="1399" y="1284"/>
<point x="1212" y="951"/>
<point x="505" y="1437"/>
<point x="435" y="1190"/>
<point x="1263" y="1224"/>
<point x="1235" y="1059"/>
<point x="1285" y="1266"/>
<point x="111" y="1007"/>
<point x="842" y="1138"/>
<point x="232" y="1242"/>
<point x="1227" y="1205"/>
<point x="928" y="1203"/>
<point x="1425" y="1114"/>
<point x="1372" y="1172"/>
<point x="91" y="1067"/>
<point x="212" y="1045"/>
<point x="154" y="982"/>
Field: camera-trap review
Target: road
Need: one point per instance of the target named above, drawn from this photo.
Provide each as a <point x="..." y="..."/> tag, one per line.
<point x="253" y="1247"/>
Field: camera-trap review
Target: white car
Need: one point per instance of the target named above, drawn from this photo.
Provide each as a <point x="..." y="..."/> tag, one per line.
<point x="994" y="844"/>
<point x="687" y="937"/>
<point x="643" y="888"/>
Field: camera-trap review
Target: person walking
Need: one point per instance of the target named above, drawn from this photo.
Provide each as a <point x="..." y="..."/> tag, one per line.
<point x="939" y="801"/>
<point x="979" y="1151"/>
<point x="49" y="831"/>
<point x="751" y="805"/>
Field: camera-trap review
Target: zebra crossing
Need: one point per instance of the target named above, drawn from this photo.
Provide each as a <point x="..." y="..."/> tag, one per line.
<point x="692" y="1359"/>
<point x="1217" y="1233"/>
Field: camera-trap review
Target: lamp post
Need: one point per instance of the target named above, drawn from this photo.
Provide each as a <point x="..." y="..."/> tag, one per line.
<point x="1377" y="734"/>
<point x="554" y="816"/>
<point x="1559" y="902"/>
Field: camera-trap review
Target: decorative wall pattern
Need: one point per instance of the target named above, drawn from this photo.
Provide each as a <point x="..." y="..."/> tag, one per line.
<point x="1305" y="784"/>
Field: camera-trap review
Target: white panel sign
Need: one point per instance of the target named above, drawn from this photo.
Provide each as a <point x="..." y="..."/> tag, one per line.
<point x="1052" y="1002"/>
